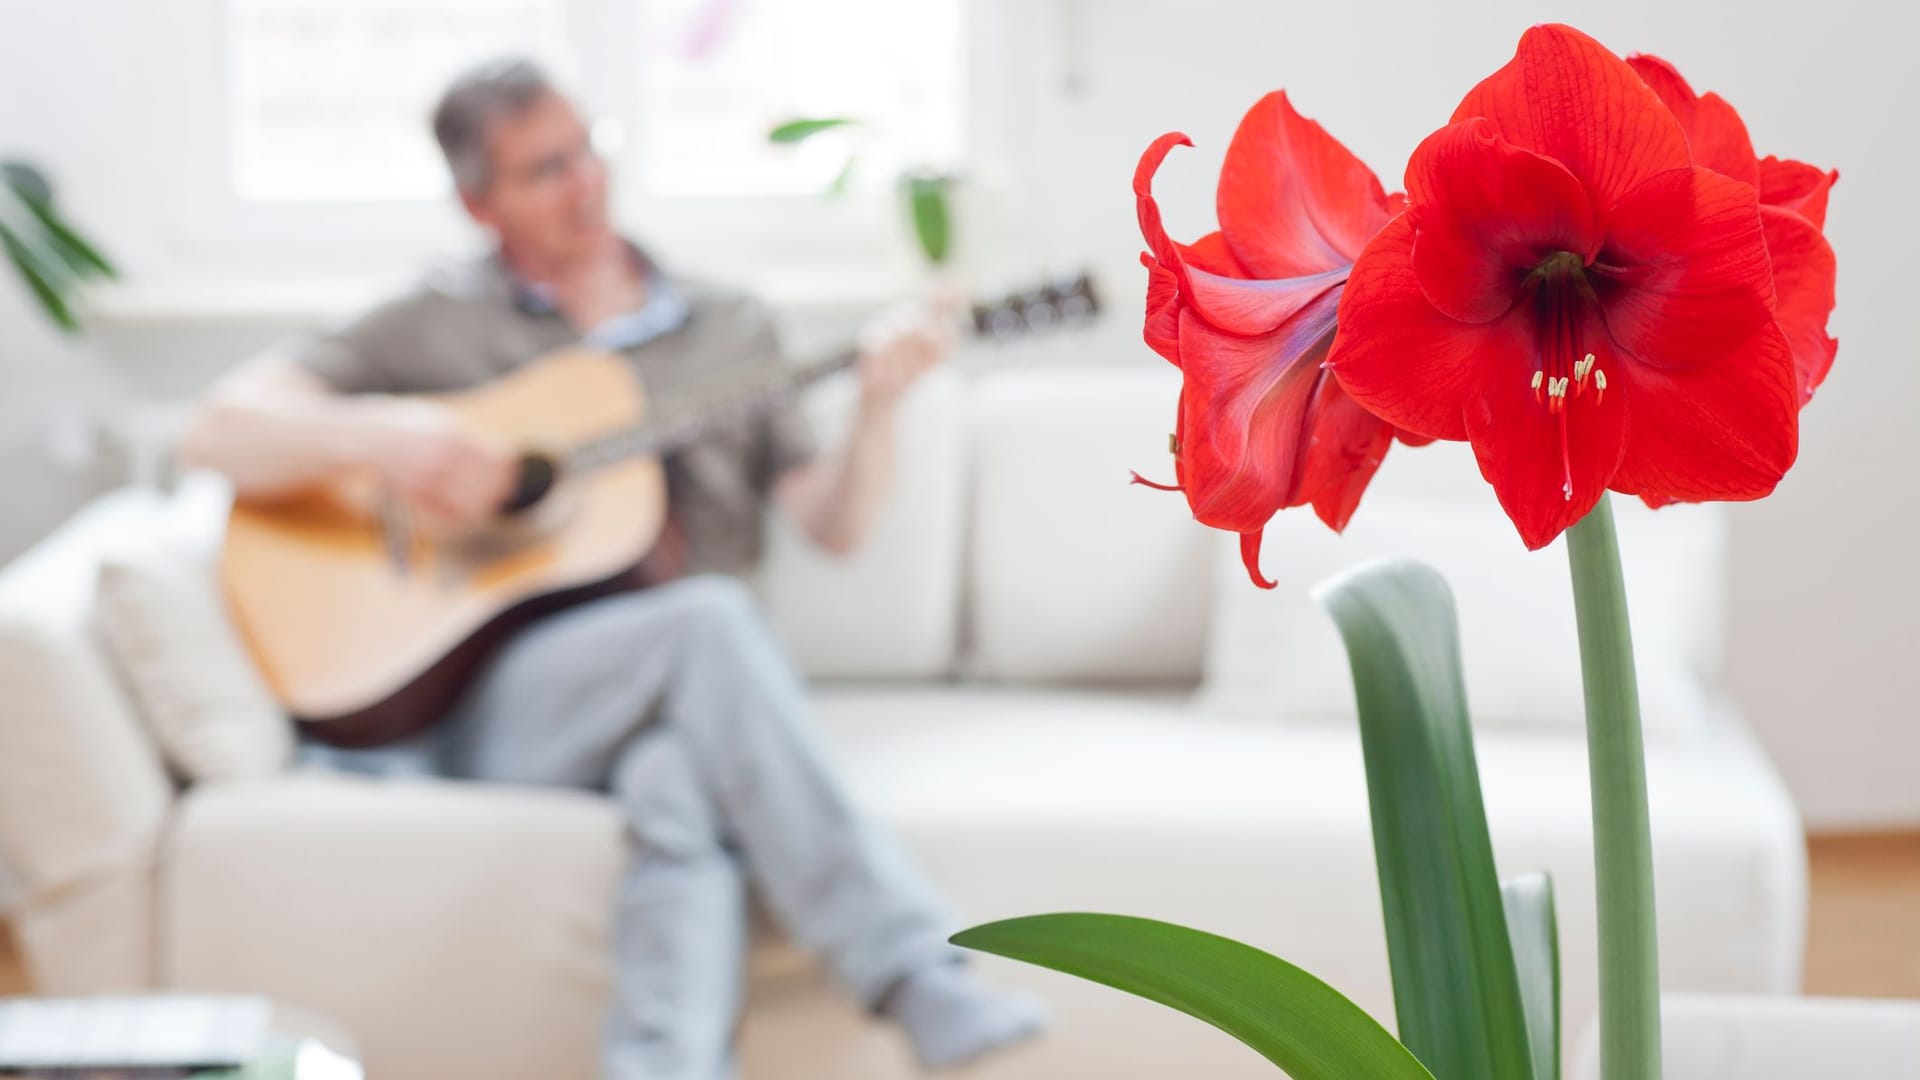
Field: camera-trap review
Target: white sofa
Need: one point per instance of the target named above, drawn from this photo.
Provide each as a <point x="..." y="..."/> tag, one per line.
<point x="1007" y="674"/>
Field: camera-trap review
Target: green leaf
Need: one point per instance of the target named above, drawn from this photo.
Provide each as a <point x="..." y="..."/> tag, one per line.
<point x="804" y="128"/>
<point x="932" y="224"/>
<point x="1291" y="1018"/>
<point x="843" y="177"/>
<point x="1454" y="988"/>
<point x="46" y="280"/>
<point x="1534" y="930"/>
<point x="79" y="255"/>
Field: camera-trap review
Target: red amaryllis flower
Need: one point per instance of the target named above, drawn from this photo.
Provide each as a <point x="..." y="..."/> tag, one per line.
<point x="1247" y="313"/>
<point x="1570" y="294"/>
<point x="1793" y="213"/>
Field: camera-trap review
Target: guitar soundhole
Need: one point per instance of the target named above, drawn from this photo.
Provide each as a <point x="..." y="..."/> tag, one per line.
<point x="537" y="475"/>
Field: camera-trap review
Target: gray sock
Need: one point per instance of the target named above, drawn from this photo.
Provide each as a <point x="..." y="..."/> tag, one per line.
<point x="951" y="1018"/>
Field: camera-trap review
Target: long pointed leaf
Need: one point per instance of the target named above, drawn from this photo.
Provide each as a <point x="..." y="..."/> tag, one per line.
<point x="932" y="223"/>
<point x="34" y="195"/>
<point x="46" y="280"/>
<point x="1454" y="987"/>
<point x="1534" y="930"/>
<point x="794" y="131"/>
<point x="1291" y="1018"/>
<point x="81" y="257"/>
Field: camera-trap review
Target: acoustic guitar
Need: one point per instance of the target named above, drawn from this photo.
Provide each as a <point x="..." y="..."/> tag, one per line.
<point x="367" y="630"/>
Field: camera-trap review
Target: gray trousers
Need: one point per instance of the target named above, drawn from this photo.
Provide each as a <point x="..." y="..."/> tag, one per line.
<point x="678" y="703"/>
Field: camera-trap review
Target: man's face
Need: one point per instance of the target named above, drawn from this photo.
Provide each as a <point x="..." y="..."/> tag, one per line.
<point x="547" y="192"/>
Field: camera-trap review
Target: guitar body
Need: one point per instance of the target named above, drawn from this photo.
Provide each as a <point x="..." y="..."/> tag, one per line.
<point x="366" y="646"/>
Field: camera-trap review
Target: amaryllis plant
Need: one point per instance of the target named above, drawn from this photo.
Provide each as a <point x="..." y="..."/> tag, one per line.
<point x="1592" y="279"/>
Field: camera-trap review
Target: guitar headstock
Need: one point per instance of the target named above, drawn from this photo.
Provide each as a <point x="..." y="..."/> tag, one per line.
<point x="1064" y="302"/>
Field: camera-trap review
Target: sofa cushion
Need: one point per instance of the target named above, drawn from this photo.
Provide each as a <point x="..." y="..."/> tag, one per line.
<point x="165" y="626"/>
<point x="458" y="930"/>
<point x="1074" y="574"/>
<point x="1276" y="653"/>
<point x="83" y="796"/>
<point x="890" y="609"/>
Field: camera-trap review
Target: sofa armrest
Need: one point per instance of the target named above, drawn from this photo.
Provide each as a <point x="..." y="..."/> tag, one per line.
<point x="455" y="929"/>
<point x="1731" y="1037"/>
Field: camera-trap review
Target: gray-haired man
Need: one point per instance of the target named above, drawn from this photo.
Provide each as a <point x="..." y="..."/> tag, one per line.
<point x="674" y="700"/>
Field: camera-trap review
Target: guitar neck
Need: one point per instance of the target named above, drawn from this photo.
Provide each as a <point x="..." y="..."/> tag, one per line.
<point x="1065" y="302"/>
<point x="659" y="439"/>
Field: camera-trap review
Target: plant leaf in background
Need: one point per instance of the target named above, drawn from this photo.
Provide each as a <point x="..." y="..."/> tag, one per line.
<point x="803" y="128"/>
<point x="1535" y="932"/>
<point x="1290" y="1017"/>
<point x="51" y="258"/>
<point x="1455" y="991"/>
<point x="843" y="177"/>
<point x="932" y="223"/>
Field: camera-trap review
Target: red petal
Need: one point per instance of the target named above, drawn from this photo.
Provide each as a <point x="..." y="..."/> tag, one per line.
<point x="1246" y="307"/>
<point x="1546" y="475"/>
<point x="1564" y="95"/>
<point x="1409" y="438"/>
<point x="1716" y="135"/>
<point x="1345" y="445"/>
<point x="1727" y="430"/>
<point x="1293" y="201"/>
<point x="1162" y="331"/>
<point x="1693" y="281"/>
<point x="1165" y="252"/>
<point x="1398" y="357"/>
<point x="1243" y="404"/>
<point x="1803" y="270"/>
<point x="1250" y="557"/>
<point x="1485" y="213"/>
<point x="1211" y="253"/>
<point x="1796" y="186"/>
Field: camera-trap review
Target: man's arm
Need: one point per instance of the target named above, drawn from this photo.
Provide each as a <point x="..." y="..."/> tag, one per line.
<point x="276" y="429"/>
<point x="834" y="501"/>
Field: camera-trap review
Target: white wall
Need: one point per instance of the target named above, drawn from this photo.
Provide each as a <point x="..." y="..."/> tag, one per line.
<point x="1826" y="601"/>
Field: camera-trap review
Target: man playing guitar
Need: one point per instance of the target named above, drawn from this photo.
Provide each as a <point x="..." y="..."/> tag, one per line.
<point x="674" y="699"/>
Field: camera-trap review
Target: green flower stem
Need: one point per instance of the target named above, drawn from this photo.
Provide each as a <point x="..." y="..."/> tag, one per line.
<point x="1622" y="842"/>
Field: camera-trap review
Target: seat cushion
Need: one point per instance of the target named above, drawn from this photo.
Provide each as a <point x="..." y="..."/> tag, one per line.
<point x="1028" y="801"/>
<point x="889" y="610"/>
<point x="1076" y="575"/>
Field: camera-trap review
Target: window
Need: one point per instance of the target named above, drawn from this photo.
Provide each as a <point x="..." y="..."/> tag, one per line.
<point x="328" y="98"/>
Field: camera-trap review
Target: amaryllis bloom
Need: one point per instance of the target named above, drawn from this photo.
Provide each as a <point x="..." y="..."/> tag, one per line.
<point x="1247" y="314"/>
<point x="1793" y="213"/>
<point x="1568" y="292"/>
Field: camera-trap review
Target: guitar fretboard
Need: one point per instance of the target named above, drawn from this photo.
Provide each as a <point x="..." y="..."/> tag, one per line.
<point x="1065" y="302"/>
<point x="659" y="439"/>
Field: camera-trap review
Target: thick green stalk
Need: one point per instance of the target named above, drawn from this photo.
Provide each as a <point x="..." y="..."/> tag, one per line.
<point x="1622" y="842"/>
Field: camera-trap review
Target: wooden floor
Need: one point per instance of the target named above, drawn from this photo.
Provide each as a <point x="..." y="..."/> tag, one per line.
<point x="1863" y="934"/>
<point x="1863" y="925"/>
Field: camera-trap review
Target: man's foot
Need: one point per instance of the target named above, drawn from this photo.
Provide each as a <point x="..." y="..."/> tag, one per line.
<point x="951" y="1018"/>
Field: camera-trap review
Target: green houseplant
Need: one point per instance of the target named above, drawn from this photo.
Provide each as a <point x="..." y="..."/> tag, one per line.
<point x="51" y="257"/>
<point x="928" y="195"/>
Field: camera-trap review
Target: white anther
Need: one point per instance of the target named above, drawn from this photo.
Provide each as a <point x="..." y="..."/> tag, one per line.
<point x="1600" y="380"/>
<point x="1557" y="387"/>
<point x="1537" y="376"/>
